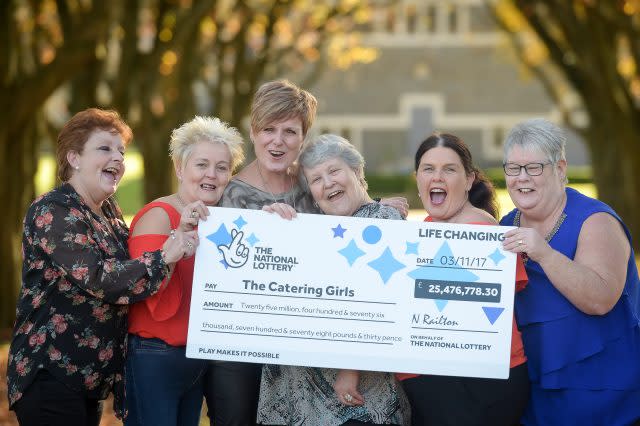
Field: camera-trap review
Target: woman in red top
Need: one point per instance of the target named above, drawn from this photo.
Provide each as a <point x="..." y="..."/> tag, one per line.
<point x="452" y="190"/>
<point x="163" y="386"/>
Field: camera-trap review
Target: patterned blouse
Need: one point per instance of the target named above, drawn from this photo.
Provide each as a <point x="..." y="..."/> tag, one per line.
<point x="77" y="282"/>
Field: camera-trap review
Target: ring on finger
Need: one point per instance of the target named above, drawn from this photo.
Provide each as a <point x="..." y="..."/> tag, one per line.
<point x="172" y="233"/>
<point x="348" y="397"/>
<point x="189" y="245"/>
<point x="194" y="213"/>
<point x="520" y="242"/>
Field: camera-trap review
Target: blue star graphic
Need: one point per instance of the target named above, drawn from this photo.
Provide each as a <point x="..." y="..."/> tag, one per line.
<point x="496" y="256"/>
<point x="221" y="237"/>
<point x="412" y="248"/>
<point x="240" y="222"/>
<point x="252" y="239"/>
<point x="448" y="274"/>
<point x="338" y="231"/>
<point x="224" y="263"/>
<point x="386" y="265"/>
<point x="351" y="252"/>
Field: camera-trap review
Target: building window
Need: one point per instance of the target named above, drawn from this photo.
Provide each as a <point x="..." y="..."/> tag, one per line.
<point x="412" y="18"/>
<point x="452" y="15"/>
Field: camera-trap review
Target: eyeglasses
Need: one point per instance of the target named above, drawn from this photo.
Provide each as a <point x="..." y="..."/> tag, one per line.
<point x="532" y="169"/>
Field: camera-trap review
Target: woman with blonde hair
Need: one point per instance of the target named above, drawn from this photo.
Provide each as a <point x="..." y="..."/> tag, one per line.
<point x="281" y="116"/>
<point x="163" y="386"/>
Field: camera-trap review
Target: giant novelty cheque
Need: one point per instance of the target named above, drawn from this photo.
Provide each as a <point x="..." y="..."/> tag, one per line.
<point x="356" y="293"/>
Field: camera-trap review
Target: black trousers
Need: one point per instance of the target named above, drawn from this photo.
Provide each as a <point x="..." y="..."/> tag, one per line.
<point x="231" y="390"/>
<point x="49" y="402"/>
<point x="466" y="401"/>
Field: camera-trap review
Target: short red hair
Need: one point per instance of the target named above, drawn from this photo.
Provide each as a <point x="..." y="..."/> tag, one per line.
<point x="78" y="129"/>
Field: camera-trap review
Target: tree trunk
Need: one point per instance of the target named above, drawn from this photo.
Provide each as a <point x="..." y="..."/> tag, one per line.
<point x="587" y="42"/>
<point x="616" y="170"/>
<point x="18" y="147"/>
<point x="158" y="169"/>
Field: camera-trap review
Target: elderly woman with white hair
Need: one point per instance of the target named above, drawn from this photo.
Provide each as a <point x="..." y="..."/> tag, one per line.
<point x="163" y="386"/>
<point x="580" y="314"/>
<point x="333" y="172"/>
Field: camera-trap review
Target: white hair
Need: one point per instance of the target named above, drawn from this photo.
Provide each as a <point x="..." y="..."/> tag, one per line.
<point x="327" y="146"/>
<point x="205" y="129"/>
<point x="537" y="134"/>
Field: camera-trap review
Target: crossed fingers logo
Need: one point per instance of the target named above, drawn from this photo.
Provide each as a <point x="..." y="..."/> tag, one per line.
<point x="235" y="254"/>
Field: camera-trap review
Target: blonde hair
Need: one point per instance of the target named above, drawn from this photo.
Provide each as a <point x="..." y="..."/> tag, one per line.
<point x="281" y="100"/>
<point x="205" y="129"/>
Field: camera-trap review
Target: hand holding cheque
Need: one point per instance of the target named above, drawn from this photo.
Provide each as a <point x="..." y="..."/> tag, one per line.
<point x="355" y="293"/>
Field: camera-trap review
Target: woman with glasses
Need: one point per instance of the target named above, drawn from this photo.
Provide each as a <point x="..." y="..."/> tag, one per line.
<point x="580" y="314"/>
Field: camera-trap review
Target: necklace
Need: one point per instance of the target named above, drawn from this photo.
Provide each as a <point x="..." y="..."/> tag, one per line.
<point x="181" y="201"/>
<point x="273" y="197"/>
<point x="549" y="236"/>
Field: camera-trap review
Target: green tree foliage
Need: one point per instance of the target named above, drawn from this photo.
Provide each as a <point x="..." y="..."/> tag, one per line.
<point x="158" y="62"/>
<point x="586" y="53"/>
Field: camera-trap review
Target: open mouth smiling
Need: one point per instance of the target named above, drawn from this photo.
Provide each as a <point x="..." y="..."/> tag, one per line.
<point x="208" y="187"/>
<point x="112" y="171"/>
<point x="437" y="196"/>
<point x="335" y="194"/>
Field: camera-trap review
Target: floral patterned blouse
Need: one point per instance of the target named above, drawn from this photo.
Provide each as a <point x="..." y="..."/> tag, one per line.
<point x="77" y="282"/>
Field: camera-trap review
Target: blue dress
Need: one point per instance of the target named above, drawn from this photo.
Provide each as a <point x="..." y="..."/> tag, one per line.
<point x="584" y="369"/>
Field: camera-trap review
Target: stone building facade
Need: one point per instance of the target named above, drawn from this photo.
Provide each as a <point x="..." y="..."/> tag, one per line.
<point x="443" y="65"/>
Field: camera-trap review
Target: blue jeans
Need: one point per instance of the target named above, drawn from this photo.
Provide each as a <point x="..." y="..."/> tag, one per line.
<point x="163" y="387"/>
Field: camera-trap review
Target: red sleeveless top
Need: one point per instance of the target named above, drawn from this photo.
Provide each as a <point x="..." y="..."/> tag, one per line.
<point x="164" y="315"/>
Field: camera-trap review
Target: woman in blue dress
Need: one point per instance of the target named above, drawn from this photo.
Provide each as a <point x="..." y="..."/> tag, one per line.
<point x="580" y="314"/>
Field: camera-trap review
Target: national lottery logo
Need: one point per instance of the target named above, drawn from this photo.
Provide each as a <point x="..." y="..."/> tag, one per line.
<point x="236" y="254"/>
<point x="234" y="245"/>
<point x="240" y="244"/>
